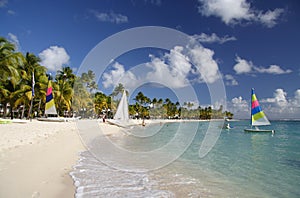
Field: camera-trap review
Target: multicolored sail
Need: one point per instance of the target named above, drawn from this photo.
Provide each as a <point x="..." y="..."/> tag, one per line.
<point x="258" y="117"/>
<point x="50" y="105"/>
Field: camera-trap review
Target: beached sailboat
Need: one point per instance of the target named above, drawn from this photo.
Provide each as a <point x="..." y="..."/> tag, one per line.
<point x="121" y="117"/>
<point x="258" y="117"/>
<point x="50" y="108"/>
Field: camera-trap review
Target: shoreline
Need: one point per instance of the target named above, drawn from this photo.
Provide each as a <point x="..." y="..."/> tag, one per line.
<point x="39" y="156"/>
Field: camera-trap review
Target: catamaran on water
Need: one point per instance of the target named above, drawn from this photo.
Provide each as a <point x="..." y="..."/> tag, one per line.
<point x="258" y="117"/>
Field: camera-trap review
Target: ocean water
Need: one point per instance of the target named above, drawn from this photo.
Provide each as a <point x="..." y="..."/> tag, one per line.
<point x="238" y="165"/>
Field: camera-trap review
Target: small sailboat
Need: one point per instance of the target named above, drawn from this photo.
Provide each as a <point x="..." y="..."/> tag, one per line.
<point x="50" y="108"/>
<point x="121" y="117"/>
<point x="258" y="117"/>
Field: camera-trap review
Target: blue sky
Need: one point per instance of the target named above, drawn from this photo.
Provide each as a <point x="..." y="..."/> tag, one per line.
<point x="251" y="43"/>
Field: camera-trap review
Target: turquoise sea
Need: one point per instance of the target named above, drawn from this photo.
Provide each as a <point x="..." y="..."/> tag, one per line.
<point x="239" y="165"/>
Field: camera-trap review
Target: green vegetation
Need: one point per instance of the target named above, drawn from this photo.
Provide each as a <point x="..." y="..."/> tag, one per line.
<point x="75" y="95"/>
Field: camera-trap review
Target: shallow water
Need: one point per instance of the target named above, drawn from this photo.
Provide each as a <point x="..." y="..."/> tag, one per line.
<point x="239" y="165"/>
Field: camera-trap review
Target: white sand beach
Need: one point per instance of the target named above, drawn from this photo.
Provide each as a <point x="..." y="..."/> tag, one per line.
<point x="36" y="158"/>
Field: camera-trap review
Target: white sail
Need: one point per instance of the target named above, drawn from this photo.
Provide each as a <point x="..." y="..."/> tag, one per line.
<point x="260" y="122"/>
<point x="122" y="114"/>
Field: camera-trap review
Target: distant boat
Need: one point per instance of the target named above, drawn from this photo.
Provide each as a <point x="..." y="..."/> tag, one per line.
<point x="258" y="117"/>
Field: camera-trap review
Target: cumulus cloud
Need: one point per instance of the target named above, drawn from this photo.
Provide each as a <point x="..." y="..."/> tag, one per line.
<point x="273" y="69"/>
<point x="282" y="106"/>
<point x="14" y="39"/>
<point x="239" y="107"/>
<point x="118" y="75"/>
<point x="237" y="11"/>
<point x="269" y="18"/>
<point x="54" y="58"/>
<point x="213" y="38"/>
<point x="243" y="66"/>
<point x="206" y="67"/>
<point x="173" y="69"/>
<point x="111" y="17"/>
<point x="230" y="80"/>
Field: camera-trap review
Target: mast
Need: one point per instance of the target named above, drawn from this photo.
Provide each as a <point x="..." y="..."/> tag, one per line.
<point x="252" y="92"/>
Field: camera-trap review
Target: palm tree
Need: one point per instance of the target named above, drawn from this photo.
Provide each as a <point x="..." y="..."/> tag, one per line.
<point x="118" y="90"/>
<point x="66" y="73"/>
<point x="10" y="74"/>
<point x="142" y="102"/>
<point x="101" y="102"/>
<point x="82" y="98"/>
<point x="9" y="61"/>
<point x="32" y="69"/>
<point x="63" y="93"/>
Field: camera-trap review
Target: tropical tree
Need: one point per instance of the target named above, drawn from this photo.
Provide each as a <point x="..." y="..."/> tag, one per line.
<point x="63" y="93"/>
<point x="142" y="102"/>
<point x="31" y="71"/>
<point x="66" y="74"/>
<point x="118" y="90"/>
<point x="101" y="102"/>
<point x="10" y="74"/>
<point x="82" y="99"/>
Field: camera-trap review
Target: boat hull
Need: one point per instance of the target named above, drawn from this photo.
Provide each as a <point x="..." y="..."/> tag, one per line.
<point x="259" y="130"/>
<point x="52" y="119"/>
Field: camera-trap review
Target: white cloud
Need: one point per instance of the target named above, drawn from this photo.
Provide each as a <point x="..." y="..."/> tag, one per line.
<point x="179" y="64"/>
<point x="118" y="75"/>
<point x="163" y="73"/>
<point x="296" y="100"/>
<point x="239" y="107"/>
<point x="279" y="99"/>
<point x="213" y="38"/>
<point x="206" y="67"/>
<point x="110" y="17"/>
<point x="237" y="11"/>
<point x="281" y="106"/>
<point x="14" y="39"/>
<point x="173" y="69"/>
<point x="273" y="69"/>
<point x="230" y="80"/>
<point x="54" y="58"/>
<point x="269" y="18"/>
<point x="244" y="67"/>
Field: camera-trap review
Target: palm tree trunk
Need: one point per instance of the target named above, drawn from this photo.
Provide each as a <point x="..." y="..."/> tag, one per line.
<point x="11" y="112"/>
<point x="23" y="110"/>
<point x="30" y="110"/>
<point x="39" y="108"/>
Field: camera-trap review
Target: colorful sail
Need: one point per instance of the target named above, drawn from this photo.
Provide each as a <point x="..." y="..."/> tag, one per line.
<point x="258" y="117"/>
<point x="50" y="105"/>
